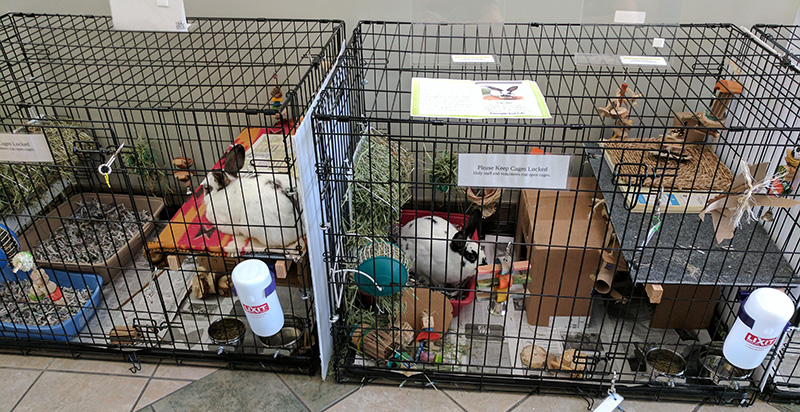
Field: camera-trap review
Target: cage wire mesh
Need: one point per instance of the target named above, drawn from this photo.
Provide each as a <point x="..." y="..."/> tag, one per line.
<point x="620" y="274"/>
<point x="173" y="160"/>
<point x="781" y="380"/>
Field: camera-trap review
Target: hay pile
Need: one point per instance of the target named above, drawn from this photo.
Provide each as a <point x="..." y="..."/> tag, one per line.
<point x="23" y="183"/>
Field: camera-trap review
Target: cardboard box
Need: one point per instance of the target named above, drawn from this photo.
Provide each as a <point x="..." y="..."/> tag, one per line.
<point x="556" y="225"/>
<point x="685" y="307"/>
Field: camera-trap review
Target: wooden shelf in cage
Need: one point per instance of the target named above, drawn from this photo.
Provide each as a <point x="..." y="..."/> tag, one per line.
<point x="684" y="250"/>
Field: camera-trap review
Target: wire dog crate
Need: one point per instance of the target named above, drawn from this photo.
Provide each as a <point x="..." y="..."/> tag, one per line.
<point x="173" y="159"/>
<point x="780" y="382"/>
<point x="614" y="279"/>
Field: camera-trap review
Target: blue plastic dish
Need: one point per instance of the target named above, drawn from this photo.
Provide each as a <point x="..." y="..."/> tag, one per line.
<point x="69" y="328"/>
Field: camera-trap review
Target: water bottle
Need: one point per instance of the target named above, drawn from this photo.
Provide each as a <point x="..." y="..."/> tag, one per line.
<point x="762" y="317"/>
<point x="255" y="286"/>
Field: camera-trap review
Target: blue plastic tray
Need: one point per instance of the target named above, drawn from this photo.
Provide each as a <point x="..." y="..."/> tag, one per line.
<point x="70" y="327"/>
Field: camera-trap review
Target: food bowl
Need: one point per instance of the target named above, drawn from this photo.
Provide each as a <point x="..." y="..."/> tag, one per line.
<point x="227" y="334"/>
<point x="665" y="365"/>
<point x="290" y="337"/>
<point x="722" y="373"/>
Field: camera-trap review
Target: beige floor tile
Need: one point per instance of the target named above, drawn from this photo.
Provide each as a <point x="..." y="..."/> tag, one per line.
<point x="95" y="366"/>
<point x="548" y="403"/>
<point x="759" y="406"/>
<point x="485" y="401"/>
<point x="14" y="384"/>
<point x="157" y="389"/>
<point x="172" y="371"/>
<point x="27" y="362"/>
<point x="81" y="392"/>
<point x="630" y="405"/>
<point x="394" y="399"/>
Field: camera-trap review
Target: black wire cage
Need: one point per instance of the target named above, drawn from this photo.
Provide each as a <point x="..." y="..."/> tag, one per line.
<point x="782" y="377"/>
<point x="620" y="278"/>
<point x="140" y="169"/>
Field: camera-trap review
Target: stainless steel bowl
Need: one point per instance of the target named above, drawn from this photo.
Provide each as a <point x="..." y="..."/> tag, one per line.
<point x="290" y="337"/>
<point x="723" y="373"/>
<point x="227" y="334"/>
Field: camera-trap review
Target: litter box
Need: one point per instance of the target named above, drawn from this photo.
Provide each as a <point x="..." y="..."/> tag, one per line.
<point x="113" y="265"/>
<point x="69" y="328"/>
<point x="458" y="220"/>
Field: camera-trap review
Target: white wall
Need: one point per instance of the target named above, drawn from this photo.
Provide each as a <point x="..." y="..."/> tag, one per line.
<point x="742" y="12"/>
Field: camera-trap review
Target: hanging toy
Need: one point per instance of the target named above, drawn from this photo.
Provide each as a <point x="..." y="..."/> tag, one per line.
<point x="502" y="282"/>
<point x="619" y="109"/>
<point x="41" y="286"/>
<point x="785" y="174"/>
<point x="426" y="339"/>
<point x="23" y="261"/>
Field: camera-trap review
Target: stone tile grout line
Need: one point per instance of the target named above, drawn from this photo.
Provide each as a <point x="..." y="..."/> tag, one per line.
<point x="144" y="388"/>
<point x="451" y="398"/>
<point x="342" y="398"/>
<point x="519" y="402"/>
<point x="41" y="372"/>
<point x="292" y="391"/>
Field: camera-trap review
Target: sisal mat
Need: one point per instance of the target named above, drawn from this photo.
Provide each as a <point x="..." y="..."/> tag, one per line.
<point x="702" y="172"/>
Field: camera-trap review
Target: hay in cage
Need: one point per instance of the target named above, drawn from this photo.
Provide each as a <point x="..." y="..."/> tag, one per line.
<point x="379" y="189"/>
<point x="701" y="170"/>
<point x="24" y="183"/>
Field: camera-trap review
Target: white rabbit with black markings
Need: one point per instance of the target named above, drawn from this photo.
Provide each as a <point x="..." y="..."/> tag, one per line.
<point x="250" y="204"/>
<point x="441" y="254"/>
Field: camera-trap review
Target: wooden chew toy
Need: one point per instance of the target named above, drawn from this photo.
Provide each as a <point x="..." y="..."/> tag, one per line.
<point x="713" y="119"/>
<point x="184" y="175"/>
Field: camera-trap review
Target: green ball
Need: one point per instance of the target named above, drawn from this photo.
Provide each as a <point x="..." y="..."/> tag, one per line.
<point x="388" y="273"/>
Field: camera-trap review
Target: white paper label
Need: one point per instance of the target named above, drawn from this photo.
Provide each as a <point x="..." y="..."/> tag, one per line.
<point x="643" y="60"/>
<point x="658" y="42"/>
<point x="629" y="17"/>
<point x="610" y="403"/>
<point x="573" y="323"/>
<point x="473" y="58"/>
<point x="149" y="15"/>
<point x="24" y="148"/>
<point x="513" y="170"/>
<point x="482" y="99"/>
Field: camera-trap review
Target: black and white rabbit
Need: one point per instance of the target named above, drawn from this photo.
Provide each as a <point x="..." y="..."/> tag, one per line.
<point x="441" y="254"/>
<point x="503" y="94"/>
<point x="249" y="204"/>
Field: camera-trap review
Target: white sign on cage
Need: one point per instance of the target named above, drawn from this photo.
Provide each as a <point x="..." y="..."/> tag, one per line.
<point x="24" y="147"/>
<point x="513" y="170"/>
<point x="477" y="99"/>
<point x="149" y="15"/>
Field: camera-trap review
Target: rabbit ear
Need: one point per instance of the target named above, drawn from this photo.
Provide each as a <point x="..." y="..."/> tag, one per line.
<point x="459" y="241"/>
<point x="512" y="88"/>
<point x="234" y="160"/>
<point x="494" y="88"/>
<point x="219" y="177"/>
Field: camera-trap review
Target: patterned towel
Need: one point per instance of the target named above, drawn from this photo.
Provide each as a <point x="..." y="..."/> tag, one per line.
<point x="189" y="230"/>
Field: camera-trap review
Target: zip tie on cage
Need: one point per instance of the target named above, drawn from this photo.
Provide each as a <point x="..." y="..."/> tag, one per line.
<point x="105" y="168"/>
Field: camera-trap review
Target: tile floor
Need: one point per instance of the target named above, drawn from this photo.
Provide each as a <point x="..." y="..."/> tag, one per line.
<point x="56" y="384"/>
